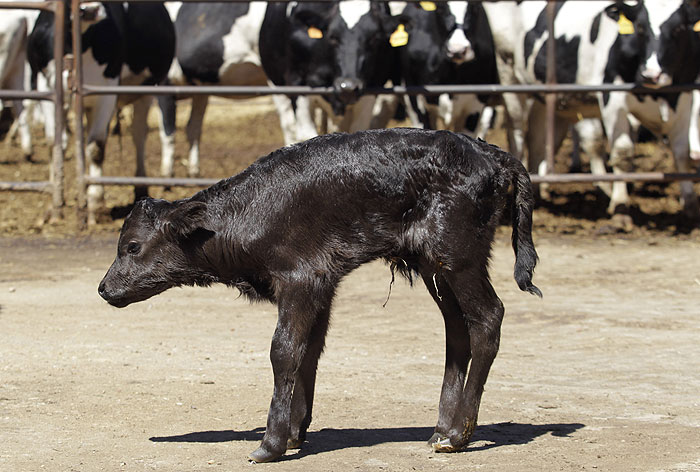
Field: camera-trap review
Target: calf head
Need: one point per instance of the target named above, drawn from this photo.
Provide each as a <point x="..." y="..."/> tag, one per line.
<point x="655" y="41"/>
<point x="157" y="248"/>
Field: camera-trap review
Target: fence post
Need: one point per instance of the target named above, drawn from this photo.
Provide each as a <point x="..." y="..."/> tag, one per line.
<point x="57" y="157"/>
<point x="78" y="111"/>
<point x="551" y="98"/>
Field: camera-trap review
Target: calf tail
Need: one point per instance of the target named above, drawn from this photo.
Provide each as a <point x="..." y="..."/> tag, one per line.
<point x="524" y="248"/>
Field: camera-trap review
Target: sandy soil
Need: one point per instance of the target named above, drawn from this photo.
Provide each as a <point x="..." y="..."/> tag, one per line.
<point x="600" y="374"/>
<point x="603" y="373"/>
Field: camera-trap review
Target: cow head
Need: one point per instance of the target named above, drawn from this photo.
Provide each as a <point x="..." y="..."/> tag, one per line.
<point x="92" y="12"/>
<point x="359" y="36"/>
<point x="155" y="250"/>
<point x="655" y="40"/>
<point x="431" y="42"/>
<point x="312" y="61"/>
<point x="459" y="47"/>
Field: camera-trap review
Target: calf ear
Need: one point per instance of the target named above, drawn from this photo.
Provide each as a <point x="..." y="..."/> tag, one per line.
<point x="186" y="218"/>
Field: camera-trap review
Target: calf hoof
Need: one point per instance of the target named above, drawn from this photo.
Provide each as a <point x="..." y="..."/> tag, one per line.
<point x="434" y="438"/>
<point x="294" y="443"/>
<point x="263" y="455"/>
<point x="442" y="443"/>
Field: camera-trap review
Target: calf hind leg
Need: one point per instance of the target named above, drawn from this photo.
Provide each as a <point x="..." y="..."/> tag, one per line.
<point x="457" y="353"/>
<point x="305" y="381"/>
<point x="483" y="312"/>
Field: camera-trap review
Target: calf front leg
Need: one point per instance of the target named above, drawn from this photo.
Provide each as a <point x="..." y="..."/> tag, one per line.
<point x="298" y="314"/>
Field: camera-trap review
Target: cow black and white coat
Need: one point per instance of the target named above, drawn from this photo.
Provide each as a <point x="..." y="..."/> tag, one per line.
<point x="14" y="29"/>
<point x="646" y="42"/>
<point x="344" y="45"/>
<point x="217" y="44"/>
<point x="130" y="44"/>
<point x="447" y="43"/>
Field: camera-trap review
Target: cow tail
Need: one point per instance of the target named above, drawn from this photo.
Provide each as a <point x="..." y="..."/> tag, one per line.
<point x="524" y="248"/>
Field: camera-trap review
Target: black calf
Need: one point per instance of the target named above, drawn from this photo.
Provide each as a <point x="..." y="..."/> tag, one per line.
<point x="293" y="224"/>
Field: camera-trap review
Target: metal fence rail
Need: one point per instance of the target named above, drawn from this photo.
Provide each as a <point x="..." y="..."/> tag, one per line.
<point x="550" y="89"/>
<point x="55" y="184"/>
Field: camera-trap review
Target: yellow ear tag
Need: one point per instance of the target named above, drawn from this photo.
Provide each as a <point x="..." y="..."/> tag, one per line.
<point x="696" y="27"/>
<point x="428" y="6"/>
<point x="624" y="25"/>
<point x="399" y="37"/>
<point x="314" y="33"/>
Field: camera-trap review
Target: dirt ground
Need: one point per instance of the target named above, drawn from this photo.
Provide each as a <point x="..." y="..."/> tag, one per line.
<point x="603" y="373"/>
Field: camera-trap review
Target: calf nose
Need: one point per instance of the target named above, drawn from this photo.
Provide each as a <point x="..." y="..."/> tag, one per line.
<point x="348" y="90"/>
<point x="102" y="290"/>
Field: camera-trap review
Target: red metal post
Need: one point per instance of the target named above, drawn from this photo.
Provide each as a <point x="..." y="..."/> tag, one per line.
<point x="57" y="174"/>
<point x="551" y="98"/>
<point x="78" y="110"/>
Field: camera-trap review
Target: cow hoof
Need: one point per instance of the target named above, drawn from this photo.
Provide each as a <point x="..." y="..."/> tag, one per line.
<point x="262" y="455"/>
<point x="294" y="443"/>
<point x="623" y="222"/>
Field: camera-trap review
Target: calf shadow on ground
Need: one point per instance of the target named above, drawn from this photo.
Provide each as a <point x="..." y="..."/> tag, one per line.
<point x="326" y="440"/>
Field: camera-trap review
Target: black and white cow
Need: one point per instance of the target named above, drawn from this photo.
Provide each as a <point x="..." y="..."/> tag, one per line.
<point x="651" y="43"/>
<point x="14" y="28"/>
<point x="340" y="44"/>
<point x="217" y="43"/>
<point x="123" y="43"/>
<point x="446" y="43"/>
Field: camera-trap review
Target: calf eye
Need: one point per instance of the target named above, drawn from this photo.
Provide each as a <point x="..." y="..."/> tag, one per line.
<point x="133" y="247"/>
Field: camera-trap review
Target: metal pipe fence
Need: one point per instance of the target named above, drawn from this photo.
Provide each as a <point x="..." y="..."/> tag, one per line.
<point x="55" y="184"/>
<point x="550" y="89"/>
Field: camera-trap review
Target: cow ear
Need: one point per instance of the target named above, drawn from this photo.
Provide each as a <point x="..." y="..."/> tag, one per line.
<point x="613" y="11"/>
<point x="186" y="218"/>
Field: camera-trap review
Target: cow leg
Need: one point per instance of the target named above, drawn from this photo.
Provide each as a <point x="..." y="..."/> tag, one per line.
<point x="166" y="104"/>
<point x="617" y="128"/>
<point x="139" y="133"/>
<point x="48" y="109"/>
<point x="25" y="137"/>
<point x="694" y="131"/>
<point x="305" y="381"/>
<point x="98" y="119"/>
<point x="457" y="352"/>
<point x="297" y="316"/>
<point x="484" y="313"/>
<point x="516" y="112"/>
<point x="286" y="116"/>
<point x="384" y="110"/>
<point x="678" y="140"/>
<point x="304" y="118"/>
<point x="25" y="134"/>
<point x="194" y="132"/>
<point x="537" y="143"/>
<point x="592" y="143"/>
